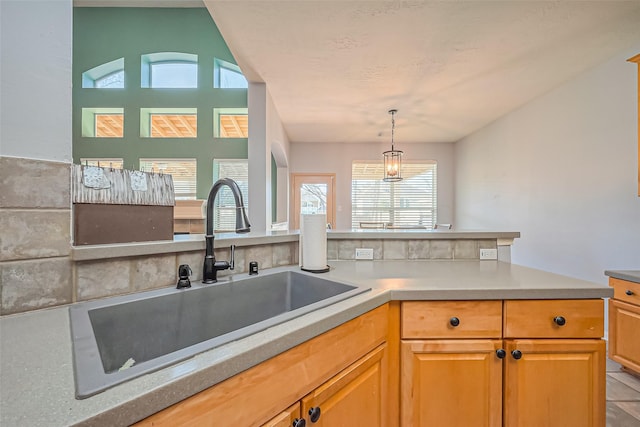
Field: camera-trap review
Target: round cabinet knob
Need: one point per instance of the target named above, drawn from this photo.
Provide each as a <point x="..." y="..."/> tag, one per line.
<point x="517" y="354"/>
<point x="629" y="292"/>
<point x="454" y="321"/>
<point x="500" y="353"/>
<point x="559" y="320"/>
<point x="299" y="422"/>
<point x="314" y="414"/>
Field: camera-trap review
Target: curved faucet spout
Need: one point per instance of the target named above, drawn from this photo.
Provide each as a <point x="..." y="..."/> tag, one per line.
<point x="242" y="221"/>
<point x="211" y="266"/>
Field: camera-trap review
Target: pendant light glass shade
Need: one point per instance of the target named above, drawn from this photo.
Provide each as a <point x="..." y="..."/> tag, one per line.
<point x="393" y="157"/>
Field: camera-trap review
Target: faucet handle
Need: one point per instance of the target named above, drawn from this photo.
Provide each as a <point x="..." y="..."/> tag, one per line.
<point x="232" y="261"/>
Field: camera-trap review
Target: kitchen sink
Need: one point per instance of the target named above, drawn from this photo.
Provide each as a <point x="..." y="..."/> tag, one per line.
<point x="120" y="338"/>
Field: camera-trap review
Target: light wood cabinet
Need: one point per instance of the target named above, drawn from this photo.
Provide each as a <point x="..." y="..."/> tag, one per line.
<point x="544" y="367"/>
<point x="451" y="383"/>
<point x="555" y="383"/>
<point x="355" y="397"/>
<point x="425" y="363"/>
<point x="261" y="393"/>
<point x="286" y="418"/>
<point x="624" y="324"/>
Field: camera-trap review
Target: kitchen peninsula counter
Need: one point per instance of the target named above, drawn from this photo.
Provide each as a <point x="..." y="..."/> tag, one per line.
<point x="36" y="367"/>
<point x="628" y="275"/>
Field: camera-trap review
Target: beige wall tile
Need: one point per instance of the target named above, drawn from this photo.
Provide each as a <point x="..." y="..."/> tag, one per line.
<point x="332" y="249"/>
<point x="466" y="249"/>
<point x="376" y="245"/>
<point x="34" y="284"/>
<point x="28" y="183"/>
<point x="153" y="272"/>
<point x="395" y="249"/>
<point x="418" y="249"/>
<point x="98" y="279"/>
<point x="263" y="254"/>
<point x="347" y="248"/>
<point x="284" y="254"/>
<point x="34" y="234"/>
<point x="441" y="249"/>
<point x="486" y="244"/>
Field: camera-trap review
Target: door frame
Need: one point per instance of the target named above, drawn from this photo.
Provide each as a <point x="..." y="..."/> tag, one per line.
<point x="294" y="195"/>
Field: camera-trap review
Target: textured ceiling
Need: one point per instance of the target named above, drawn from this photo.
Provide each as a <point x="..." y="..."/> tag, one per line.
<point x="334" y="68"/>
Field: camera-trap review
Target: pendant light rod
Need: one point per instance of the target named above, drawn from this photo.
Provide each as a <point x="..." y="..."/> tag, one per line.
<point x="393" y="125"/>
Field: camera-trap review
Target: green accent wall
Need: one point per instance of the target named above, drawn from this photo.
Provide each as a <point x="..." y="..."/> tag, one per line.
<point x="101" y="35"/>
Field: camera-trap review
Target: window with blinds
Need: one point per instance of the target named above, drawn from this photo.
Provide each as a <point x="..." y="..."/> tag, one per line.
<point x="407" y="203"/>
<point x="183" y="172"/>
<point x="224" y="209"/>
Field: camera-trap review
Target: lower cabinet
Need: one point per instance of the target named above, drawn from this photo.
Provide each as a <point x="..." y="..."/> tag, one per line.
<point x="335" y="379"/>
<point x="352" y="398"/>
<point x="624" y="324"/>
<point x="545" y="367"/>
<point x="512" y="363"/>
<point x="451" y="383"/>
<point x="555" y="383"/>
<point x="290" y="417"/>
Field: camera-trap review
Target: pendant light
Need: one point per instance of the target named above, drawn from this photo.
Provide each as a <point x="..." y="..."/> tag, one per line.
<point x="393" y="157"/>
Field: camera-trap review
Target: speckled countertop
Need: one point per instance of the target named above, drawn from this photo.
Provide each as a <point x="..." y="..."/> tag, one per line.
<point x="36" y="366"/>
<point x="630" y="275"/>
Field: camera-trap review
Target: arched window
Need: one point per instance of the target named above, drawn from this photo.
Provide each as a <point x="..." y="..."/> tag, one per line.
<point x="105" y="76"/>
<point x="227" y="75"/>
<point x="169" y="70"/>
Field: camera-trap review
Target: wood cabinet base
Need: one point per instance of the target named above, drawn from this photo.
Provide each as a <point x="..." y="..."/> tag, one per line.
<point x="252" y="397"/>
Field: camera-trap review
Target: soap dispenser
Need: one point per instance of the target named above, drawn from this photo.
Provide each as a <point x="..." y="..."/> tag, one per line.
<point x="184" y="271"/>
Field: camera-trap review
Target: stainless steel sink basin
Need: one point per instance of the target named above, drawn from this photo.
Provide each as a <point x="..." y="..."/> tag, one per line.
<point x="120" y="338"/>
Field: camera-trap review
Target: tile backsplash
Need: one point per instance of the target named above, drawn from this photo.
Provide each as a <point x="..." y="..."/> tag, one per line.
<point x="35" y="244"/>
<point x="36" y="269"/>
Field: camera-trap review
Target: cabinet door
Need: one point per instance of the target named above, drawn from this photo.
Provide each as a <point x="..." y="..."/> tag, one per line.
<point x="285" y="418"/>
<point x="554" y="383"/>
<point x="453" y="383"/>
<point x="624" y="324"/>
<point x="354" y="397"/>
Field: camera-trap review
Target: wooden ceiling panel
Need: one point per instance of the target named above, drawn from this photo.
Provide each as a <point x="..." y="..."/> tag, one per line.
<point x="109" y="125"/>
<point x="234" y="126"/>
<point x="174" y="125"/>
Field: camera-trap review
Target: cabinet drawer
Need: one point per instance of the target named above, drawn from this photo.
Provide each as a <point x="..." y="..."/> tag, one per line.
<point x="554" y="319"/>
<point x="626" y="291"/>
<point x="452" y="319"/>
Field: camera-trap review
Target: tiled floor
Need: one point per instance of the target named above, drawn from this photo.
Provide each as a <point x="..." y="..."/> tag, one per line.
<point x="623" y="397"/>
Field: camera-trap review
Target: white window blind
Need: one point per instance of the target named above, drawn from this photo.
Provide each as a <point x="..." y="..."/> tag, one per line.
<point x="183" y="172"/>
<point x="224" y="209"/>
<point x="406" y="203"/>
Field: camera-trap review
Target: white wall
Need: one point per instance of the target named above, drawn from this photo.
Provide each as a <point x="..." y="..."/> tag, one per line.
<point x="337" y="158"/>
<point x="266" y="137"/>
<point x="35" y="106"/>
<point x="259" y="159"/>
<point x="561" y="170"/>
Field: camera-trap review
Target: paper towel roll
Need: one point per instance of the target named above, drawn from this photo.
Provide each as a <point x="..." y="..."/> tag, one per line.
<point x="313" y="242"/>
